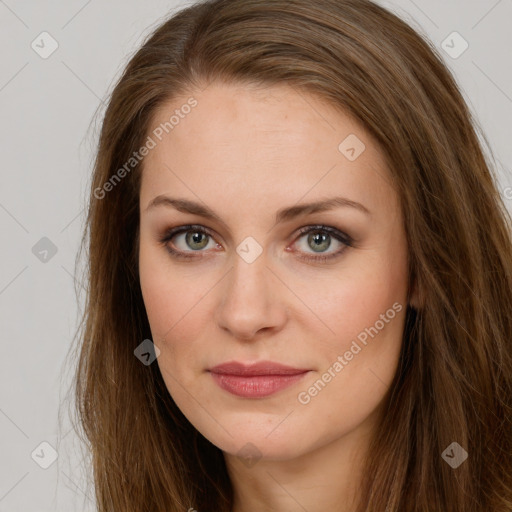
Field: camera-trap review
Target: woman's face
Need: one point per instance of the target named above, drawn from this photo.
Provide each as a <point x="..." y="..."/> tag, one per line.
<point x="259" y="275"/>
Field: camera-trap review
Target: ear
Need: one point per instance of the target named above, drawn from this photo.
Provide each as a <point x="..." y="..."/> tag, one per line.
<point x="416" y="299"/>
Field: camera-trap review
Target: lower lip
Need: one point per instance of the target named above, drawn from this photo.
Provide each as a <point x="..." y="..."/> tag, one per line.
<point x="255" y="386"/>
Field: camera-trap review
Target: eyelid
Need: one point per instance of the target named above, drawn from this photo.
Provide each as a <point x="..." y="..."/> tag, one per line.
<point x="336" y="233"/>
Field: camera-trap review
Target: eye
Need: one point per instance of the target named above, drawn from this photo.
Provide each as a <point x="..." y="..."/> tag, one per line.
<point x="318" y="239"/>
<point x="195" y="238"/>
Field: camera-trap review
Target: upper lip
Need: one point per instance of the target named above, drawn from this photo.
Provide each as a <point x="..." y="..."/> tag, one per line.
<point x="259" y="368"/>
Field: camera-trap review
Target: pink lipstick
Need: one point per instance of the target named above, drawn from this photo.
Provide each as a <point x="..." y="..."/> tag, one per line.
<point x="256" y="380"/>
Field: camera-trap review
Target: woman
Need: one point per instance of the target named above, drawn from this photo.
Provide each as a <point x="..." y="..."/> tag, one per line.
<point x="300" y="273"/>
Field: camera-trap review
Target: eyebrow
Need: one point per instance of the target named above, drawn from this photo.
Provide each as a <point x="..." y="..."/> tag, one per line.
<point x="283" y="215"/>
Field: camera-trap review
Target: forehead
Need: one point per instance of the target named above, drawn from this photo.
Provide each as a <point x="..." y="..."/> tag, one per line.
<point x="278" y="115"/>
<point x="267" y="143"/>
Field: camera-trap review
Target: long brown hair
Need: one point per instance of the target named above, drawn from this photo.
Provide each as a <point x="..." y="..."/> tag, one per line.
<point x="454" y="381"/>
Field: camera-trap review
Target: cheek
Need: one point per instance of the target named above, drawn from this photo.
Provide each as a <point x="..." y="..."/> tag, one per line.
<point x="156" y="287"/>
<point x="175" y="302"/>
<point x="175" y="330"/>
<point x="174" y="312"/>
<point x="355" y="302"/>
<point x="165" y="291"/>
<point x="359" y="361"/>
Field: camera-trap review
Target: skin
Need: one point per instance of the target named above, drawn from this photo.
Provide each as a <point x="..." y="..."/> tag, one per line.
<point x="247" y="153"/>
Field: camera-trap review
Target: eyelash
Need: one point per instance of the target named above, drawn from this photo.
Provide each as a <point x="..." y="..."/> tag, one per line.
<point x="336" y="234"/>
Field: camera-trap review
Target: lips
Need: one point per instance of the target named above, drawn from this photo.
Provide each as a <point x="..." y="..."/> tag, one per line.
<point x="256" y="380"/>
<point x="259" y="368"/>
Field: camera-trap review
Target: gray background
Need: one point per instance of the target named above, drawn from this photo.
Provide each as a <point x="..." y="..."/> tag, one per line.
<point x="47" y="138"/>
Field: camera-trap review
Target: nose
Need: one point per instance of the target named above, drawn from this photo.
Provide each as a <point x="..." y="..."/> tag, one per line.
<point x="251" y="302"/>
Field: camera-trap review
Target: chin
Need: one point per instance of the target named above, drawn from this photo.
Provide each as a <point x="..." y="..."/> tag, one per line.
<point x="255" y="436"/>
